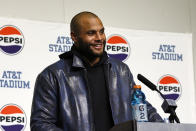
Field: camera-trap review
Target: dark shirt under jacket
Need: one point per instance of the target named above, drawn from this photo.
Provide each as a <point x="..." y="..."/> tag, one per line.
<point x="99" y="93"/>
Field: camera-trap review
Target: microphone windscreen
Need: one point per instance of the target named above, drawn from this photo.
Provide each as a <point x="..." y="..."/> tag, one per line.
<point x="146" y="82"/>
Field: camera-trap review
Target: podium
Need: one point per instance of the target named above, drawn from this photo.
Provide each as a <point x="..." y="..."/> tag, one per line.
<point x="149" y="126"/>
<point x="153" y="126"/>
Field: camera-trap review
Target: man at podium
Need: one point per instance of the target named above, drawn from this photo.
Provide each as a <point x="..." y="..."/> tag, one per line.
<point x="85" y="90"/>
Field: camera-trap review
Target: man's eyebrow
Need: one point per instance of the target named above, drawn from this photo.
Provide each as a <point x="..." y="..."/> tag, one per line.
<point x="91" y="31"/>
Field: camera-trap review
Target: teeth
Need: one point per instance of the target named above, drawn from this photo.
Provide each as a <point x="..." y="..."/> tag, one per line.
<point x="99" y="46"/>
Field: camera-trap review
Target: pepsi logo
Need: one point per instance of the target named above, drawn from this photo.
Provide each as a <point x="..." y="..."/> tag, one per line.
<point x="117" y="47"/>
<point x="170" y="87"/>
<point x="12" y="118"/>
<point x="11" y="40"/>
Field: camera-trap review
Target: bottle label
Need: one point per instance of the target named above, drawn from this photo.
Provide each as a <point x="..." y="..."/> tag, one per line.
<point x="140" y="112"/>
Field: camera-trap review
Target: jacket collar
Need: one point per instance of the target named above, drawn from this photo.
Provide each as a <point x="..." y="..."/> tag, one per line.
<point x="76" y="61"/>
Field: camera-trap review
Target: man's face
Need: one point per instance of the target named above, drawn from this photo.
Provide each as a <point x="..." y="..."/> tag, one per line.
<point x="91" y="37"/>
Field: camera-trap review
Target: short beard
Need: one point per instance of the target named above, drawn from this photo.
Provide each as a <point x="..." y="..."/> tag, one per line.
<point x="84" y="49"/>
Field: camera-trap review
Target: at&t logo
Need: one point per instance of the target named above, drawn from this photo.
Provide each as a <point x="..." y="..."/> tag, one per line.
<point x="117" y="47"/>
<point x="11" y="40"/>
<point x="12" y="118"/>
<point x="170" y="87"/>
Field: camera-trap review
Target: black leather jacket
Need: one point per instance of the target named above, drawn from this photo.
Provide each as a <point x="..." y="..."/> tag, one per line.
<point x="62" y="99"/>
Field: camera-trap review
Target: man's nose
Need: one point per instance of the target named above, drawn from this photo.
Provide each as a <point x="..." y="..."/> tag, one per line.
<point x="98" y="36"/>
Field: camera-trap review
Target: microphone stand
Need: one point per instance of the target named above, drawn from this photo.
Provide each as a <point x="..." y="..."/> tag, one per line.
<point x="168" y="105"/>
<point x="173" y="117"/>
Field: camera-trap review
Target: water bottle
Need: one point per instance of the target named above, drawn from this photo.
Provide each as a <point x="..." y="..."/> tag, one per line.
<point x="139" y="106"/>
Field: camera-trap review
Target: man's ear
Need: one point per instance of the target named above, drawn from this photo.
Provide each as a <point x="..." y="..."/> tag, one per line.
<point x="74" y="37"/>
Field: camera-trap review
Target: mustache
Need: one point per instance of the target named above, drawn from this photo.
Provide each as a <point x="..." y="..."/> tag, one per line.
<point x="98" y="43"/>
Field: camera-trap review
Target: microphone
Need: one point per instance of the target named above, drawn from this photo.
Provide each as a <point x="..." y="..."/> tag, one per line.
<point x="168" y="105"/>
<point x="146" y="82"/>
<point x="149" y="84"/>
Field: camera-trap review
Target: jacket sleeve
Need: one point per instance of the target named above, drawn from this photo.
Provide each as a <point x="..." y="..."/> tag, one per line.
<point x="44" y="112"/>
<point x="153" y="116"/>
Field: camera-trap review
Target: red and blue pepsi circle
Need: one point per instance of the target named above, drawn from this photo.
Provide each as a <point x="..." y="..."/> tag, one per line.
<point x="170" y="87"/>
<point x="117" y="47"/>
<point x="11" y="40"/>
<point x="12" y="118"/>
